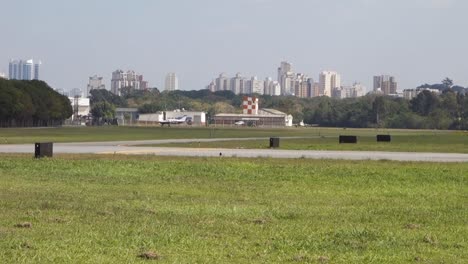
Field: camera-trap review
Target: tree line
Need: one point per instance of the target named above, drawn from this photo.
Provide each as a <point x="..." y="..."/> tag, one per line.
<point x="449" y="110"/>
<point x="31" y="104"/>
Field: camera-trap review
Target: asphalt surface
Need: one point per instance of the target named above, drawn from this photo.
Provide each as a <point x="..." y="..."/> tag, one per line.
<point x="135" y="148"/>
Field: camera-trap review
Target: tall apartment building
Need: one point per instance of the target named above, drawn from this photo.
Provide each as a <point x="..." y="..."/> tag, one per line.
<point x="271" y="87"/>
<point x="328" y="81"/>
<point x="94" y="82"/>
<point x="222" y="83"/>
<point x="302" y="86"/>
<point x="237" y="84"/>
<point x="356" y="90"/>
<point x="121" y="79"/>
<point x="285" y="78"/>
<point x="23" y="70"/>
<point x="314" y="88"/>
<point x="257" y="86"/>
<point x="172" y="82"/>
<point x="385" y="83"/>
<point x="211" y="86"/>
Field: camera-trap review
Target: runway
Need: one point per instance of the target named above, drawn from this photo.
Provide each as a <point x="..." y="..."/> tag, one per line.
<point x="135" y="148"/>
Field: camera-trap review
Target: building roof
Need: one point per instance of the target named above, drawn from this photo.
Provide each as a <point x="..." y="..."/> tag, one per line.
<point x="272" y="111"/>
<point x="123" y="109"/>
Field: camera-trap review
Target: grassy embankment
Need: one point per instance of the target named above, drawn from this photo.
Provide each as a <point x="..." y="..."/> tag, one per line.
<point x="110" y="209"/>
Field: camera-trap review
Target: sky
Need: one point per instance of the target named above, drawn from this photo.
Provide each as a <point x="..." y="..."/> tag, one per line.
<point x="417" y="41"/>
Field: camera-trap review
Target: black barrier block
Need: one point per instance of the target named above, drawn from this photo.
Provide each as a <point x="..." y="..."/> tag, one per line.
<point x="274" y="142"/>
<point x="43" y="150"/>
<point x="384" y="138"/>
<point x="348" y="139"/>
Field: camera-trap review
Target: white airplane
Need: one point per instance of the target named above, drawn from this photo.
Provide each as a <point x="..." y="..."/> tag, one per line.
<point x="175" y="121"/>
<point x="239" y="123"/>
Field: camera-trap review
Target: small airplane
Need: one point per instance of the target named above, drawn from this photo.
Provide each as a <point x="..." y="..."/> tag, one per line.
<point x="175" y="121"/>
<point x="239" y="123"/>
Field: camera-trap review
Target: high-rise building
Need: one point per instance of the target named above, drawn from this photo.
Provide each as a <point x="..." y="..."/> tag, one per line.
<point x="385" y="83"/>
<point x="356" y="90"/>
<point x="329" y="80"/>
<point x="211" y="86"/>
<point x="301" y="86"/>
<point x="23" y="70"/>
<point x="37" y="68"/>
<point x="267" y="84"/>
<point x="129" y="79"/>
<point x="314" y="88"/>
<point x="237" y="84"/>
<point x="222" y="83"/>
<point x="257" y="86"/>
<point x="285" y="78"/>
<point x="95" y="82"/>
<point x="172" y="82"/>
<point x="272" y="88"/>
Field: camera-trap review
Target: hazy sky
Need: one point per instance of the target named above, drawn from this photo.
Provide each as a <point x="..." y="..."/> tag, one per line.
<point x="418" y="41"/>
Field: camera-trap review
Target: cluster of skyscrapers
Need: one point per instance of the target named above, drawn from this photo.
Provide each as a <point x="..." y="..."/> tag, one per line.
<point x="129" y="79"/>
<point x="288" y="82"/>
<point x="300" y="85"/>
<point x="24" y="70"/>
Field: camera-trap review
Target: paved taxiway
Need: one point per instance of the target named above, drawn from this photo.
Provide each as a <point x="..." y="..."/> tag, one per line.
<point x="135" y="148"/>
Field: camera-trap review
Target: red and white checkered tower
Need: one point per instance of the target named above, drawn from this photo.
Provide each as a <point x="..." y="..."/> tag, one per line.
<point x="250" y="105"/>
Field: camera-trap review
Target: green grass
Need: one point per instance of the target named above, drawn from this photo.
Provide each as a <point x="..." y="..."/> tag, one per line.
<point x="109" y="209"/>
<point x="110" y="133"/>
<point x="444" y="142"/>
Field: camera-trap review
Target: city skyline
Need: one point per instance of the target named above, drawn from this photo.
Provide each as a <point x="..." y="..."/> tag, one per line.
<point x="358" y="41"/>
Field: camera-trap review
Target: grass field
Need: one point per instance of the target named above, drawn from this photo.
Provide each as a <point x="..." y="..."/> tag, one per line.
<point x="110" y="209"/>
<point x="318" y="138"/>
<point x="448" y="143"/>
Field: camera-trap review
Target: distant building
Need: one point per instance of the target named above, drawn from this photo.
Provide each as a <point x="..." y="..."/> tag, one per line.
<point x="81" y="107"/>
<point x="356" y="90"/>
<point x="37" y="69"/>
<point x="256" y="86"/>
<point x="314" y="88"/>
<point x="130" y="79"/>
<point x="328" y="80"/>
<point x="94" y="83"/>
<point x="126" y="116"/>
<point x="237" y="84"/>
<point x="285" y="78"/>
<point x="211" y="86"/>
<point x="412" y="93"/>
<point x="172" y="82"/>
<point x="222" y="83"/>
<point x="23" y="70"/>
<point x="3" y="75"/>
<point x="302" y="87"/>
<point x="75" y="92"/>
<point x="386" y="83"/>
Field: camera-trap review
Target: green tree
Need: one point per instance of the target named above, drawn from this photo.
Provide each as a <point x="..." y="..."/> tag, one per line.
<point x="447" y="82"/>
<point x="424" y="103"/>
<point x="103" y="111"/>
